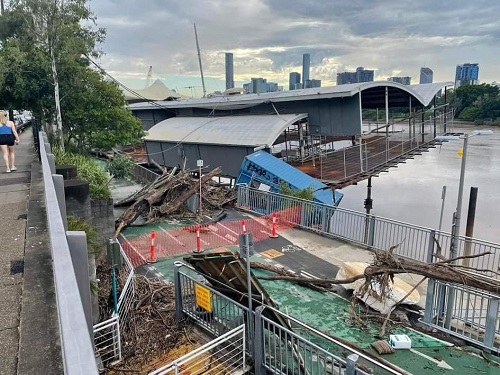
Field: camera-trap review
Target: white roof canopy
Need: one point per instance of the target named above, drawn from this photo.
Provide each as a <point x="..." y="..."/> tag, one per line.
<point x="423" y="93"/>
<point x="250" y="131"/>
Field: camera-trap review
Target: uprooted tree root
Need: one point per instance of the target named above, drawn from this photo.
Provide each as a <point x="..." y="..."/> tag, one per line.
<point x="381" y="271"/>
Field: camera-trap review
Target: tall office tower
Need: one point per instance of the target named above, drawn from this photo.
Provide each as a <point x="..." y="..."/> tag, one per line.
<point x="259" y="85"/>
<point x="426" y="75"/>
<point x="315" y="83"/>
<point x="402" y="80"/>
<point x="312" y="83"/>
<point x="229" y="71"/>
<point x="294" y="81"/>
<point x="306" y="66"/>
<point x="360" y="75"/>
<point x="467" y="74"/>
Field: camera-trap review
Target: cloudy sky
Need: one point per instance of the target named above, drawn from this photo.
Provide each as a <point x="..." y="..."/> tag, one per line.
<point x="268" y="38"/>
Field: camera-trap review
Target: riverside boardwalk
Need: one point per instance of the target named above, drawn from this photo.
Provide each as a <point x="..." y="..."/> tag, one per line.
<point x="28" y="316"/>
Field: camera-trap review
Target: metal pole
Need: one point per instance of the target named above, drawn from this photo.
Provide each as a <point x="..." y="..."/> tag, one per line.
<point x="199" y="60"/>
<point x="456" y="221"/>
<point x="249" y="286"/>
<point x="386" y="111"/>
<point x="445" y="109"/>
<point x="469" y="228"/>
<point x="455" y="234"/>
<point x="113" y="287"/>
<point x="200" y="190"/>
<point x="443" y="197"/>
<point x="368" y="207"/>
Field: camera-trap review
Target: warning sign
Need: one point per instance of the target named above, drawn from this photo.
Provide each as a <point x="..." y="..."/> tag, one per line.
<point x="203" y="297"/>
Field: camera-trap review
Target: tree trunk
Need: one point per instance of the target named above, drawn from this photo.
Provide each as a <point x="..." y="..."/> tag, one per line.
<point x="58" y="130"/>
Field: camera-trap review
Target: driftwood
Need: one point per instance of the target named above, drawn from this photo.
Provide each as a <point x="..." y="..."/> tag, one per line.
<point x="169" y="207"/>
<point x="166" y="197"/>
<point x="386" y="265"/>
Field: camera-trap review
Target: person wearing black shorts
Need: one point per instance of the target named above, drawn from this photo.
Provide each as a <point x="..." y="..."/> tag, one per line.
<point x="8" y="138"/>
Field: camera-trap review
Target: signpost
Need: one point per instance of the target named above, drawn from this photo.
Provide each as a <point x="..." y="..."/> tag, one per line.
<point x="199" y="164"/>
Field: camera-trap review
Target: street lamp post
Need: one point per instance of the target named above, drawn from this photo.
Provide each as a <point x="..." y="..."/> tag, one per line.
<point x="456" y="216"/>
<point x="455" y="230"/>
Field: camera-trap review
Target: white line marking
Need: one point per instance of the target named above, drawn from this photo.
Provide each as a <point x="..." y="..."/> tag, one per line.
<point x="172" y="237"/>
<point x="223" y="226"/>
<point x="439" y="363"/>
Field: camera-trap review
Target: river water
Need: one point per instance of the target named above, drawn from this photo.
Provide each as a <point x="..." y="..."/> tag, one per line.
<point x="412" y="192"/>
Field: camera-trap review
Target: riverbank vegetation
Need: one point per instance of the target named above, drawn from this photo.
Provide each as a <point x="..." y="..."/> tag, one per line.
<point x="478" y="103"/>
<point x="47" y="52"/>
<point x="88" y="170"/>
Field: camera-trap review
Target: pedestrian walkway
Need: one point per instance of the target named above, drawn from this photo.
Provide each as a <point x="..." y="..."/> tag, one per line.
<point x="28" y="316"/>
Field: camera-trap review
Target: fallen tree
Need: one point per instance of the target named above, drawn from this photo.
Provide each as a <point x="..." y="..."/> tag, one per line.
<point x="385" y="265"/>
<point x="168" y="194"/>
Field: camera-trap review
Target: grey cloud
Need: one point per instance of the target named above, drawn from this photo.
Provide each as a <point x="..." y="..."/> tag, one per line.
<point x="271" y="35"/>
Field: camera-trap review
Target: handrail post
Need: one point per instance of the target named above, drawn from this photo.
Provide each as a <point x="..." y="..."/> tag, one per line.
<point x="258" y="347"/>
<point x="491" y="322"/>
<point x="179" y="313"/>
<point x="351" y="364"/>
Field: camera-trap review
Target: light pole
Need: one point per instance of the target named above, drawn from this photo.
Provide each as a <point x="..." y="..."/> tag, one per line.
<point x="455" y="229"/>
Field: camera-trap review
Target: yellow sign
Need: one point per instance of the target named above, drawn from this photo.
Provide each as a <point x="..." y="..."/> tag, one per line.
<point x="203" y="297"/>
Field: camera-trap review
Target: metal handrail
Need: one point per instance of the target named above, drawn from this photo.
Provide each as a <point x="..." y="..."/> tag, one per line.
<point x="76" y="344"/>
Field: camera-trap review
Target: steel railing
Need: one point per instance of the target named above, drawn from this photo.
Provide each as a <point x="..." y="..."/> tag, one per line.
<point x="108" y="335"/>
<point x="107" y="342"/>
<point x="301" y="349"/>
<point x="224" y="355"/>
<point x="470" y="314"/>
<point x="369" y="231"/>
<point x="76" y="343"/>
<point x="381" y="147"/>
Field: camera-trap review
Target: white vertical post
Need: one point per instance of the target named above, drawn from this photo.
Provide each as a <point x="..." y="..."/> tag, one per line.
<point x="199" y="163"/>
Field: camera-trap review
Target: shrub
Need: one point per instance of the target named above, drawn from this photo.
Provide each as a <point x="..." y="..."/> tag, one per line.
<point x="120" y="166"/>
<point x="88" y="170"/>
<point x="75" y="224"/>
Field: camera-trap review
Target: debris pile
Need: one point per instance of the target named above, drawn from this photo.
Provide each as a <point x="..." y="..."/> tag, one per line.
<point x="150" y="331"/>
<point x="167" y="195"/>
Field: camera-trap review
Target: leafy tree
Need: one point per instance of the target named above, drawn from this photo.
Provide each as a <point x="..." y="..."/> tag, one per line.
<point x="45" y="46"/>
<point x="476" y="101"/>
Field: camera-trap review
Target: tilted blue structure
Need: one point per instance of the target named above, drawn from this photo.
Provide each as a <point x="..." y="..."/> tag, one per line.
<point x="263" y="168"/>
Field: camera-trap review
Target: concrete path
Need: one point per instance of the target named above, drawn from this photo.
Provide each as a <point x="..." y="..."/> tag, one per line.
<point x="28" y="317"/>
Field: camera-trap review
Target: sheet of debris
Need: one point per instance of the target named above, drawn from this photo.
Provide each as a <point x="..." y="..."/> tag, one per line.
<point x="167" y="196"/>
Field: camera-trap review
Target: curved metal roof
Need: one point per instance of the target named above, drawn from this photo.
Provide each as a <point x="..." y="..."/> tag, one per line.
<point x="423" y="94"/>
<point x="250" y="131"/>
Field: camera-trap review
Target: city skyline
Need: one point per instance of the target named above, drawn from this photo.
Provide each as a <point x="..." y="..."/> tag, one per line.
<point x="268" y="39"/>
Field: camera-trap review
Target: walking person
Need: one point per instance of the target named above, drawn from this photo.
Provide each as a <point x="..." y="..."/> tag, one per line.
<point x="8" y="137"/>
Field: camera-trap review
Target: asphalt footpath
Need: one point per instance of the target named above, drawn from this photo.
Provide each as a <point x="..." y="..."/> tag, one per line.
<point x="28" y="316"/>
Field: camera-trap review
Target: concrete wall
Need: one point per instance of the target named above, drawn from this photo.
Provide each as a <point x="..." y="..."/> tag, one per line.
<point x="102" y="218"/>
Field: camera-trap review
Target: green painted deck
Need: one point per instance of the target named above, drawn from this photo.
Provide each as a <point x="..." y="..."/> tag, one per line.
<point x="329" y="313"/>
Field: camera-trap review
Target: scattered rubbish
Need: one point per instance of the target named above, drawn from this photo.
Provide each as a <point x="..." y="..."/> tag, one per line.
<point x="382" y="347"/>
<point x="400" y="341"/>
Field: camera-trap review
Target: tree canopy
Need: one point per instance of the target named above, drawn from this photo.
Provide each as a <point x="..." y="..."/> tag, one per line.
<point x="477" y="102"/>
<point x="46" y="47"/>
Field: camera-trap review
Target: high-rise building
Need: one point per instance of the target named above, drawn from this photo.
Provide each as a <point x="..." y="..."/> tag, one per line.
<point x="402" y="80"/>
<point x="467" y="74"/>
<point x="360" y="75"/>
<point x="311" y="83"/>
<point x="294" y="81"/>
<point x="426" y="75"/>
<point x="306" y="66"/>
<point x="260" y="85"/>
<point x="229" y="71"/>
